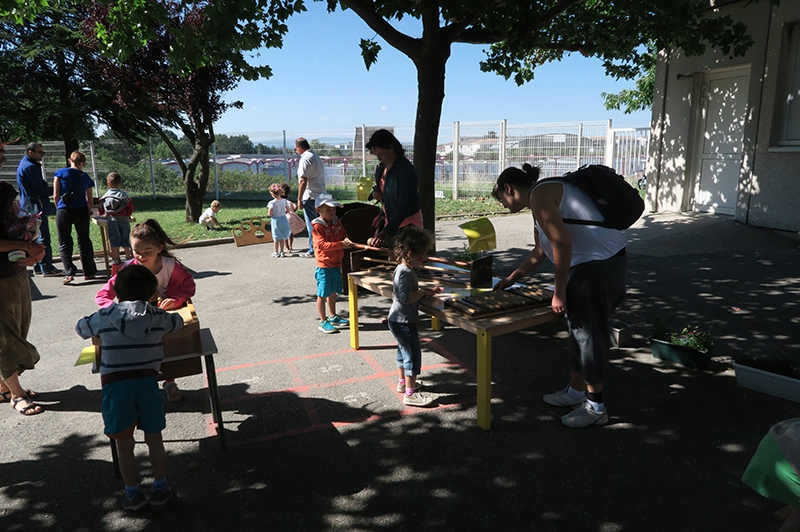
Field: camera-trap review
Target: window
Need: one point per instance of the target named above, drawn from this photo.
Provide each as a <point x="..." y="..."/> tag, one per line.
<point x="789" y="96"/>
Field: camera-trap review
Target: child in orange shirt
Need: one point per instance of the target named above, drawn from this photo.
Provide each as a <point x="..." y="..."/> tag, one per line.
<point x="330" y="241"/>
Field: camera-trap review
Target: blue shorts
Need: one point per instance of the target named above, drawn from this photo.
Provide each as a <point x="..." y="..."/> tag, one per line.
<point x="119" y="233"/>
<point x="329" y="281"/>
<point x="133" y="401"/>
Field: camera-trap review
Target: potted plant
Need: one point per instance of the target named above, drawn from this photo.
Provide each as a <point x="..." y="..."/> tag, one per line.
<point x="690" y="347"/>
<point x="776" y="374"/>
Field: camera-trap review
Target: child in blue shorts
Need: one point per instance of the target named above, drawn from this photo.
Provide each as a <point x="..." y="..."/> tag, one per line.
<point x="330" y="241"/>
<point x="119" y="207"/>
<point x="132" y="332"/>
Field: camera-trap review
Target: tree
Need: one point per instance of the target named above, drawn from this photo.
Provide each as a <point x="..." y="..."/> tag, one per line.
<point x="163" y="82"/>
<point x="640" y="98"/>
<point x="46" y="77"/>
<point x="525" y="35"/>
<point x="234" y="144"/>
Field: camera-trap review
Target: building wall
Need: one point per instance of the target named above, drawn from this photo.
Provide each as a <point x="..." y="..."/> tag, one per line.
<point x="774" y="189"/>
<point x="767" y="192"/>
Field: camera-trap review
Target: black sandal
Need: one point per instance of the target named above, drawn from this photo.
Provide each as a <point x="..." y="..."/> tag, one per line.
<point x="29" y="409"/>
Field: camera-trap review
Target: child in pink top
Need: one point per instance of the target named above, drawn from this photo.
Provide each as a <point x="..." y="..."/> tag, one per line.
<point x="175" y="283"/>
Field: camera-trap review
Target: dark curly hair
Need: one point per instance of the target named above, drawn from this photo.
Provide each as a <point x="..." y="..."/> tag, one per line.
<point x="412" y="240"/>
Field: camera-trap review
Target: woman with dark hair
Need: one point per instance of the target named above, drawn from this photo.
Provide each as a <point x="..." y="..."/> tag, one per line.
<point x="395" y="187"/>
<point x="72" y="194"/>
<point x="590" y="265"/>
<point x="16" y="353"/>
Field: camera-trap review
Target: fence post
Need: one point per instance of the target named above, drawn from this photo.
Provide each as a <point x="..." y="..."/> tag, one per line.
<point x="503" y="133"/>
<point x="216" y="175"/>
<point x="580" y="143"/>
<point x="152" y="172"/>
<point x="94" y="165"/>
<point x="286" y="159"/>
<point x="456" y="149"/>
<point x="609" y="155"/>
<point x="363" y="151"/>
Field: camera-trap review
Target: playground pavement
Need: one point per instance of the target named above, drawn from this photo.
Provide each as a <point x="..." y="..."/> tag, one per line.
<point x="318" y="440"/>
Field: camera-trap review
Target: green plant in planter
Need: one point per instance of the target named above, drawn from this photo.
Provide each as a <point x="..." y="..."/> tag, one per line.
<point x="466" y="255"/>
<point x="778" y="362"/>
<point x="691" y="336"/>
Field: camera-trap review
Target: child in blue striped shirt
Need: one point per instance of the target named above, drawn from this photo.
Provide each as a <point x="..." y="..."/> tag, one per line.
<point x="132" y="332"/>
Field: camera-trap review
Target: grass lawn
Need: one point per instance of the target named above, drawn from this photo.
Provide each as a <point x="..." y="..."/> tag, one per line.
<point x="170" y="213"/>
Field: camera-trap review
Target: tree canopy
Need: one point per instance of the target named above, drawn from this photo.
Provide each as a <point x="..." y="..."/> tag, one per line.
<point x="524" y="35"/>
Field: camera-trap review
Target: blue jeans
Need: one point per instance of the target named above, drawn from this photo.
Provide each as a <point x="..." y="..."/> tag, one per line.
<point x="409" y="353"/>
<point x="311" y="212"/>
<point x="46" y="264"/>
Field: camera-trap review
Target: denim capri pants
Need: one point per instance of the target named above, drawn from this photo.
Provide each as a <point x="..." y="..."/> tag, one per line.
<point x="409" y="352"/>
<point x="119" y="233"/>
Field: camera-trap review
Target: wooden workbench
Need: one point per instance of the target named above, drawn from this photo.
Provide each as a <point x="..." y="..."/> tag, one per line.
<point x="380" y="282"/>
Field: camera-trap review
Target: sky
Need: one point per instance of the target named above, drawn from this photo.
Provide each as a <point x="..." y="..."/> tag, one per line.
<point x="320" y="83"/>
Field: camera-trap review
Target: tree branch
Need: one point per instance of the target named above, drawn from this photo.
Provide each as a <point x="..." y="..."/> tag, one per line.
<point x="365" y="9"/>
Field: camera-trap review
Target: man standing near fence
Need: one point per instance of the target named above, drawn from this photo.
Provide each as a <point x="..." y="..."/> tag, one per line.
<point x="34" y="193"/>
<point x="311" y="174"/>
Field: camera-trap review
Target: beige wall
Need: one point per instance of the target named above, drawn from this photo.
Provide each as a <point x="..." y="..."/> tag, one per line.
<point x="769" y="181"/>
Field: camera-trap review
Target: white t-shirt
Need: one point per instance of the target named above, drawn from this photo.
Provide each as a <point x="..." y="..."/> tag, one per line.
<point x="589" y="242"/>
<point x="206" y="216"/>
<point x="278" y="206"/>
<point x="163" y="276"/>
<point x="312" y="170"/>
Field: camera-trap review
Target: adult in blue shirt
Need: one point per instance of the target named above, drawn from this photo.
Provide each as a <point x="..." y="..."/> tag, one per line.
<point x="73" y="197"/>
<point x="33" y="190"/>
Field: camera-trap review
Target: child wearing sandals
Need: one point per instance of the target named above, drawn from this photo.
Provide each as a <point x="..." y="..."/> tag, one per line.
<point x="410" y="247"/>
<point x="279" y="223"/>
<point x="296" y="224"/>
<point x="175" y="283"/>
<point x="132" y="332"/>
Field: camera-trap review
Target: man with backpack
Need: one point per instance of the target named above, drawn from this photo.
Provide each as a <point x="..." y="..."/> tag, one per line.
<point x="590" y="260"/>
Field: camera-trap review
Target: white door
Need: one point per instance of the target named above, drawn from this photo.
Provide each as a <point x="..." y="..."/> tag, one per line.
<point x="718" y="145"/>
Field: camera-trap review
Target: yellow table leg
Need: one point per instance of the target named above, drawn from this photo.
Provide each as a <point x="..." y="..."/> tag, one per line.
<point x="484" y="380"/>
<point x="352" y="296"/>
<point x="436" y="325"/>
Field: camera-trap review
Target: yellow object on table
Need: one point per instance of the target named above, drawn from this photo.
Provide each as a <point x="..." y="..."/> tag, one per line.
<point x="480" y="233"/>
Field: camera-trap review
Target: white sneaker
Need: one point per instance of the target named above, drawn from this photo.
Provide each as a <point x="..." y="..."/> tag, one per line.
<point x="584" y="416"/>
<point x="275" y="254"/>
<point x="562" y="398"/>
<point x="417" y="399"/>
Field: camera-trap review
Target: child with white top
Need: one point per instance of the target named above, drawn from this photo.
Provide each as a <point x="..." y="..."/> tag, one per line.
<point x="209" y="216"/>
<point x="279" y="222"/>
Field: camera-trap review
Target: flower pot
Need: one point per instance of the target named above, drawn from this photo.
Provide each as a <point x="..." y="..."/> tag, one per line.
<point x="766" y="382"/>
<point x="680" y="354"/>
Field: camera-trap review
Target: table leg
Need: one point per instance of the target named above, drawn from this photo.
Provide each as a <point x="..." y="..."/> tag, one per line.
<point x="485" y="380"/>
<point x="213" y="392"/>
<point x="436" y="324"/>
<point x="352" y="297"/>
<point x="106" y="248"/>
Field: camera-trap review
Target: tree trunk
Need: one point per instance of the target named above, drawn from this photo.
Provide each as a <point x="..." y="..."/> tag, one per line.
<point x="196" y="190"/>
<point x="430" y="78"/>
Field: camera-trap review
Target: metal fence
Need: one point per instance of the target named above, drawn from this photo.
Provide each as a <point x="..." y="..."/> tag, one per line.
<point x="470" y="156"/>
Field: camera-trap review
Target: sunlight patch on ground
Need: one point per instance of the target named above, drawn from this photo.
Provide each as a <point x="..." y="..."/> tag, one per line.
<point x="732" y="448"/>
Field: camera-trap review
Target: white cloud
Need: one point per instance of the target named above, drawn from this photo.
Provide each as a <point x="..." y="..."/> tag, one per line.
<point x="383" y="108"/>
<point x="323" y="119"/>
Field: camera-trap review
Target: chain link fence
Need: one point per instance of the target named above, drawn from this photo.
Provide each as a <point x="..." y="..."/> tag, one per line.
<point x="470" y="156"/>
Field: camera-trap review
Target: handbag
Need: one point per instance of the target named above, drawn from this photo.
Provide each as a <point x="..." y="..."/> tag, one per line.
<point x="67" y="198"/>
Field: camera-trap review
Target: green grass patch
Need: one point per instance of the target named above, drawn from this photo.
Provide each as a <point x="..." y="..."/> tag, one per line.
<point x="171" y="214"/>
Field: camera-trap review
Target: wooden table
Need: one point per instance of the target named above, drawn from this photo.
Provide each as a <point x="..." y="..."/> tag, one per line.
<point x="101" y="221"/>
<point x="380" y="282"/>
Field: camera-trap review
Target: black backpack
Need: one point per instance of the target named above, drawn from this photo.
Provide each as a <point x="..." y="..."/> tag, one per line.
<point x="618" y="202"/>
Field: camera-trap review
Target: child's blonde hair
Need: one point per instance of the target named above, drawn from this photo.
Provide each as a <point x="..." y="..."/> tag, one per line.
<point x="412" y="240"/>
<point x="150" y="231"/>
<point x="276" y="189"/>
<point x="216" y="205"/>
<point x="113" y="180"/>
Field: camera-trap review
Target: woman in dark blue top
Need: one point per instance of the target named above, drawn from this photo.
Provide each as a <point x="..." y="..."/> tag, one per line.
<point x="72" y="194"/>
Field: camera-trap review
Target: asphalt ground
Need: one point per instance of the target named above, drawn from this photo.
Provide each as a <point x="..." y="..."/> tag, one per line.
<point x="319" y="440"/>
